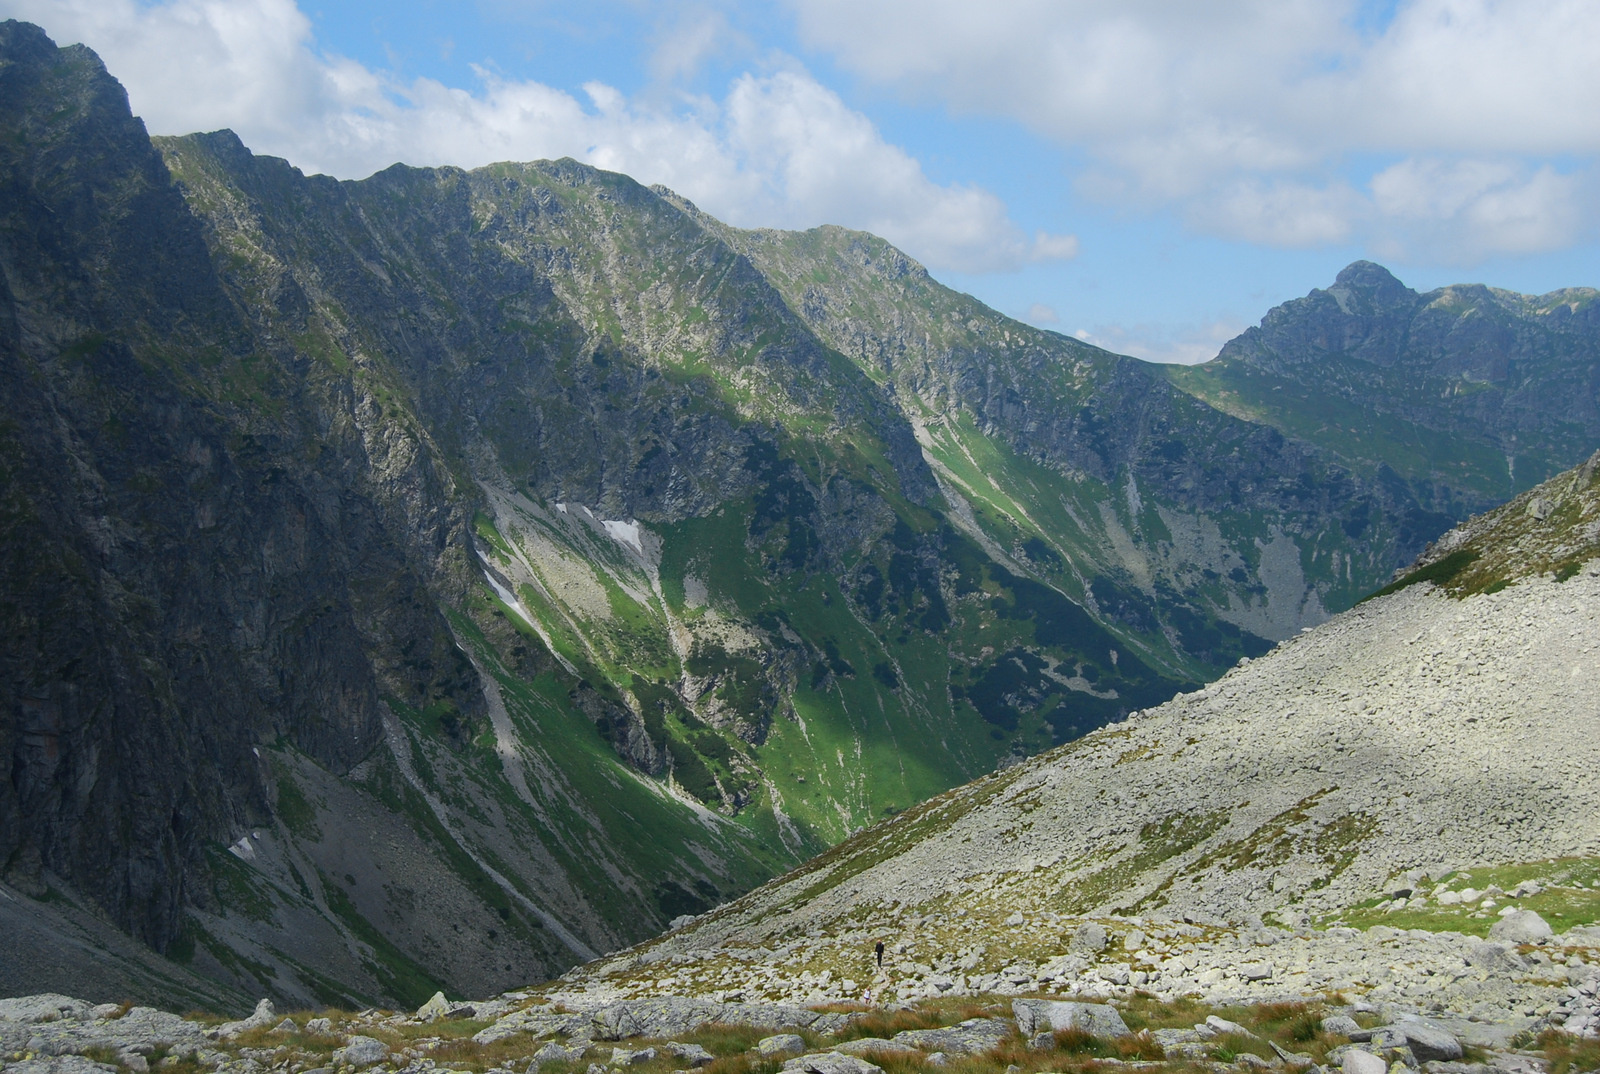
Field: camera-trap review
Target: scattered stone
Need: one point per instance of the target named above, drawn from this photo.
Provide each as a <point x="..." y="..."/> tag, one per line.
<point x="1341" y="1024"/>
<point x="631" y="1057"/>
<point x="434" y="1009"/>
<point x="60" y="1064"/>
<point x="286" y="1026"/>
<point x="319" y="1025"/>
<point x="105" y="1011"/>
<point x="693" y="1054"/>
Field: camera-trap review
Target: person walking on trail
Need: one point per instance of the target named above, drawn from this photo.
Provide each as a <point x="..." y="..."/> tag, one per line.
<point x="878" y="950"/>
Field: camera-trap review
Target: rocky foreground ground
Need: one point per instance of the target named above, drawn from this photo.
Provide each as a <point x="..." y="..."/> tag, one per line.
<point x="1552" y="1027"/>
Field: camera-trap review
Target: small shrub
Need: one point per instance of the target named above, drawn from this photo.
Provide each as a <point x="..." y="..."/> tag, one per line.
<point x="1568" y="1054"/>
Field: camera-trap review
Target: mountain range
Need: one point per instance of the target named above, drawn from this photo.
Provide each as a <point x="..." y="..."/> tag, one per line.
<point x="440" y="579"/>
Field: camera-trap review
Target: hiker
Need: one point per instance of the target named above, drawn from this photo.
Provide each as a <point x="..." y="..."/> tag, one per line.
<point x="879" y="951"/>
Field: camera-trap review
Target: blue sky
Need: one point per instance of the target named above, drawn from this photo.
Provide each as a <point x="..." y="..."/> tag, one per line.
<point x="1150" y="174"/>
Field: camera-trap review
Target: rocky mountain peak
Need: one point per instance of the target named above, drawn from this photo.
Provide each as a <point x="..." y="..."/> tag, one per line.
<point x="1365" y="286"/>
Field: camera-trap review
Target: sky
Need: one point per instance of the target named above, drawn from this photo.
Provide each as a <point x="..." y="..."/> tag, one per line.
<point x="1148" y="175"/>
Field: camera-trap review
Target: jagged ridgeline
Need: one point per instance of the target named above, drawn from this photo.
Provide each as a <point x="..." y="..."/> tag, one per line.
<point x="436" y="579"/>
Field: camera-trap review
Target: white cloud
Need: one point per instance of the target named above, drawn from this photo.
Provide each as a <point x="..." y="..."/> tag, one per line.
<point x="1039" y="313"/>
<point x="778" y="150"/>
<point x="1169" y="344"/>
<point x="1251" y="117"/>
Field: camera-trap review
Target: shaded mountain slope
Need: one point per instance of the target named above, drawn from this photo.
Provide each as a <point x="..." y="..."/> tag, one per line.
<point x="437" y="579"/>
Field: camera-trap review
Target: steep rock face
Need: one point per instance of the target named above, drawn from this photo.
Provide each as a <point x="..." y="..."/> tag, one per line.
<point x="181" y="581"/>
<point x="230" y="550"/>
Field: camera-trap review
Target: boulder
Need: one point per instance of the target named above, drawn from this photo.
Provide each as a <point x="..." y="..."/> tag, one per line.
<point x="1357" y="1061"/>
<point x="1523" y="926"/>
<point x="553" y="1052"/>
<point x="535" y="1021"/>
<point x="670" y="1016"/>
<point x="781" y="1044"/>
<point x="319" y="1025"/>
<point x="831" y="1063"/>
<point x="1222" y="1025"/>
<point x="834" y="1021"/>
<point x="362" y="1052"/>
<point x="862" y="1045"/>
<point x="692" y="1054"/>
<point x="631" y="1057"/>
<point x="434" y="1009"/>
<point x="1429" y="1040"/>
<point x="1342" y="1024"/>
<point x="263" y="1017"/>
<point x="973" y="1035"/>
<point x="1117" y="973"/>
<point x="1496" y="957"/>
<point x="46" y="1007"/>
<point x="1090" y="938"/>
<point x="1049" y="1015"/>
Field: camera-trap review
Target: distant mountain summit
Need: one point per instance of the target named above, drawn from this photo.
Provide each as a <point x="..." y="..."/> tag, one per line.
<point x="1467" y="393"/>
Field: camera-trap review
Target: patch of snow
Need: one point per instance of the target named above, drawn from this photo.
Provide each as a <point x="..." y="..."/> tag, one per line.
<point x="624" y="533"/>
<point x="244" y="850"/>
<point x="561" y="507"/>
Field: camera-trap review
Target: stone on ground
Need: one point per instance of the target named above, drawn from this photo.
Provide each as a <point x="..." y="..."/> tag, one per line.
<point x="831" y="1063"/>
<point x="781" y="1044"/>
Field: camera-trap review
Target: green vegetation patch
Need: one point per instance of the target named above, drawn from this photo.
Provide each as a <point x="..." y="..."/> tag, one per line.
<point x="1441" y="572"/>
<point x="1569" y="896"/>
